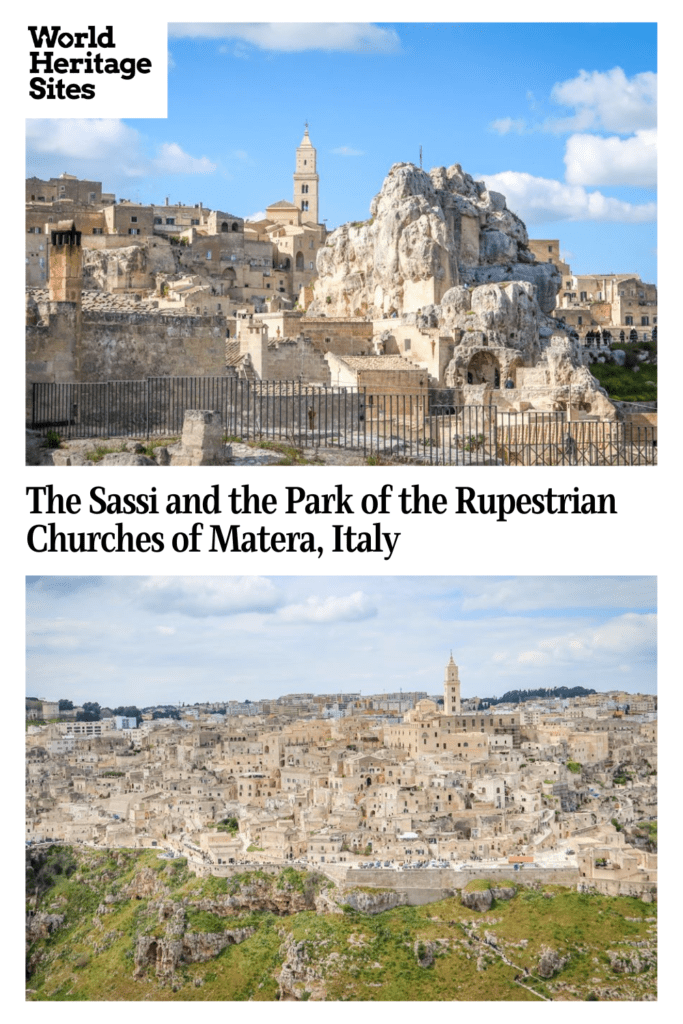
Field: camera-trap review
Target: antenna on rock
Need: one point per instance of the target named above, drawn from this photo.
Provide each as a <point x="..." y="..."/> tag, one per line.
<point x="420" y="157"/>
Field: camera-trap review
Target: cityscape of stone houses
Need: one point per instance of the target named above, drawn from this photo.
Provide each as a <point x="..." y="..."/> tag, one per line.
<point x="364" y="788"/>
<point x="441" y="288"/>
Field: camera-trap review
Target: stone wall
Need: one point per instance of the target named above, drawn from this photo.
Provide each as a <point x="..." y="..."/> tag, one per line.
<point x="427" y="885"/>
<point x="345" y="337"/>
<point x="293" y="358"/>
<point x="124" y="346"/>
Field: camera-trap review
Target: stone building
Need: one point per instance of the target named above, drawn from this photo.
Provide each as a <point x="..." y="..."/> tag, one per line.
<point x="216" y="261"/>
<point x="451" y="689"/>
<point x="597" y="302"/>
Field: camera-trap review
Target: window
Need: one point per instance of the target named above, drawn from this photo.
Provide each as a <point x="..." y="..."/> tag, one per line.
<point x="310" y="265"/>
<point x="92" y="197"/>
<point x="580" y="320"/>
<point x="304" y="189"/>
<point x="170" y="220"/>
<point x="208" y="255"/>
<point x="550" y="248"/>
<point x="304" y="204"/>
<point x="194" y="221"/>
<point x="406" y="345"/>
<point x="133" y="220"/>
<point x="584" y="296"/>
<point x="645" y="321"/>
<point x="97" y="231"/>
<point x="157" y="220"/>
<point x="133" y="231"/>
<point x="628" y="320"/>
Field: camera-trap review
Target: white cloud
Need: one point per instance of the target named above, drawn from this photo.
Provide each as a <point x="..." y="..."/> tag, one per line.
<point x="505" y="125"/>
<point x="608" y="100"/>
<point x="97" y="138"/>
<point x="353" y="608"/>
<point x="532" y="658"/>
<point x="632" y="635"/>
<point x="166" y="630"/>
<point x="531" y="593"/>
<point x="347" y="151"/>
<point x="293" y="37"/>
<point x="173" y="160"/>
<point x="259" y="215"/>
<point x="593" y="160"/>
<point x="537" y="200"/>
<point x="109" y="145"/>
<point x="201" y="596"/>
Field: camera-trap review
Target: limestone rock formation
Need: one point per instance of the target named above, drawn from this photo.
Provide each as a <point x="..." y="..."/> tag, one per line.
<point x="130" y="267"/>
<point x="375" y="903"/>
<point x="550" y="962"/>
<point x="480" y="901"/>
<point x="444" y="254"/>
<point x="165" y="955"/>
<point x="40" y="925"/>
<point x="427" y="233"/>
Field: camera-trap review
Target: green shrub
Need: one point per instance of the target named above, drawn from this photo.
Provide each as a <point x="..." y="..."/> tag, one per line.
<point x="52" y="440"/>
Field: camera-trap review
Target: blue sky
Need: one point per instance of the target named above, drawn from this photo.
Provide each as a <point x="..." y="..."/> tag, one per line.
<point x="559" y="117"/>
<point x="148" y="639"/>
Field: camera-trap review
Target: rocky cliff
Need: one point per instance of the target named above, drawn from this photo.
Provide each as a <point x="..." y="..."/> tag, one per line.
<point x="427" y="233"/>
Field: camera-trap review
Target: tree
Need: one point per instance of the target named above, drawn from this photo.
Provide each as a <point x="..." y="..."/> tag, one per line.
<point x="91" y="708"/>
<point x="130" y="711"/>
<point x="87" y="716"/>
<point x="66" y="705"/>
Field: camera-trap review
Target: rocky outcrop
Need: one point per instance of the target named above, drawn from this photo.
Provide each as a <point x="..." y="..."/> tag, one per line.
<point x="301" y="976"/>
<point x="550" y="962"/>
<point x="179" y="945"/>
<point x="129" y="267"/>
<point x="427" y="233"/>
<point x="480" y="901"/>
<point x="374" y="902"/>
<point x="40" y="925"/>
<point x="144" y="883"/>
<point x="165" y="955"/>
<point x="443" y="253"/>
<point x="503" y="893"/>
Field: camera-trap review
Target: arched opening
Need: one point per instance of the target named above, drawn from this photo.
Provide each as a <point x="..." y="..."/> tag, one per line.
<point x="299" y="261"/>
<point x="484" y="368"/>
<point x="224" y="227"/>
<point x="235" y="226"/>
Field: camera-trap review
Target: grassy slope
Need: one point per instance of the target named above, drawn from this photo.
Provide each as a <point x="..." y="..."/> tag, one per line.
<point x="623" y="385"/>
<point x="355" y="956"/>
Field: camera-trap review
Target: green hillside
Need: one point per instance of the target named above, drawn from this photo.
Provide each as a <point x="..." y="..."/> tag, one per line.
<point x="127" y="925"/>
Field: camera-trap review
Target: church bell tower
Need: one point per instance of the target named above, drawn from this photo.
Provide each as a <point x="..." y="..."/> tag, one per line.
<point x="306" y="181"/>
<point x="451" y="689"/>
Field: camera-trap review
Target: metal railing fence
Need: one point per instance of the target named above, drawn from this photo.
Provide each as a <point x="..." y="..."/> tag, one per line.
<point x="410" y="426"/>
